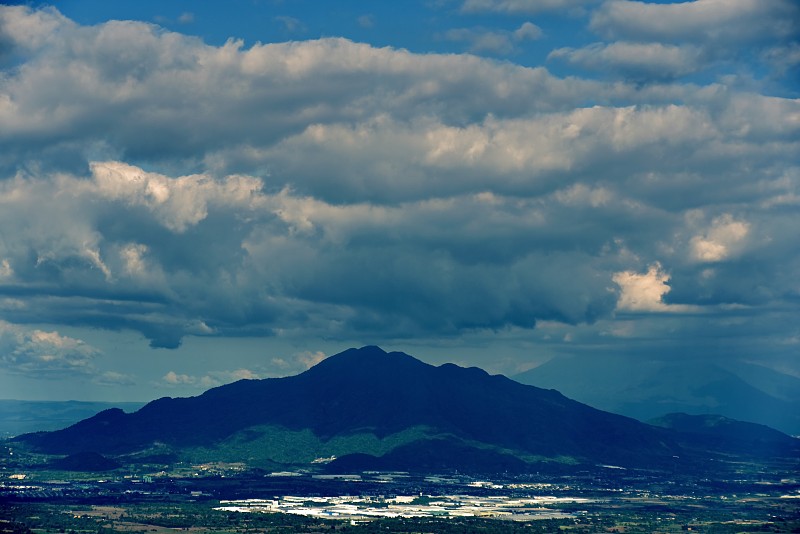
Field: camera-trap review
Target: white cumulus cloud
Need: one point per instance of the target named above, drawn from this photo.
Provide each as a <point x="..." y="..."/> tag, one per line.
<point x="726" y="237"/>
<point x="209" y="380"/>
<point x="644" y="292"/>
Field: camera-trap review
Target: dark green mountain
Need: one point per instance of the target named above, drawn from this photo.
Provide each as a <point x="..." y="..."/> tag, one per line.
<point x="433" y="455"/>
<point x="389" y="398"/>
<point x="85" y="461"/>
<point x="646" y="389"/>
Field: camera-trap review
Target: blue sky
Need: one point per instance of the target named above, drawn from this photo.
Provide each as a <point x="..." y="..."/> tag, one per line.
<point x="420" y="27"/>
<point x="196" y="192"/>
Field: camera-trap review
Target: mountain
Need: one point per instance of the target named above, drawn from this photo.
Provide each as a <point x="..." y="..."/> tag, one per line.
<point x="369" y="409"/>
<point x="646" y="389"/>
<point x="18" y="416"/>
<point x="367" y="401"/>
<point x="85" y="461"/>
<point x="728" y="435"/>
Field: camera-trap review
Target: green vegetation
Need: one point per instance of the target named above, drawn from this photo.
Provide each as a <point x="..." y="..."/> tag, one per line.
<point x="146" y="519"/>
<point x="265" y="446"/>
<point x="710" y="515"/>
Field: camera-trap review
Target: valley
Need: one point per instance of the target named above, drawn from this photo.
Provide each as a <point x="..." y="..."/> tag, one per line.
<point x="228" y="498"/>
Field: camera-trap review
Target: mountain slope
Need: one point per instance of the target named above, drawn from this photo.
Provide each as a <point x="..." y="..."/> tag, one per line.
<point x="647" y="389"/>
<point x="18" y="416"/>
<point x="730" y="436"/>
<point x="369" y="391"/>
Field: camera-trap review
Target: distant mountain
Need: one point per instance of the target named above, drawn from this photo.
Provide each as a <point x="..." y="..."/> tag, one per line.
<point x="646" y="389"/>
<point x="367" y="401"/>
<point x="19" y="417"/>
<point x="730" y="436"/>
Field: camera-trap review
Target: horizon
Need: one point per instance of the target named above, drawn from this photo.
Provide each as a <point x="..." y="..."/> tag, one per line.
<point x="193" y="194"/>
<point x="145" y="401"/>
<point x="515" y="378"/>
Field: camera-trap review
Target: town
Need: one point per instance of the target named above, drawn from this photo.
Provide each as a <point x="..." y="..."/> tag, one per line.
<point x="219" y="496"/>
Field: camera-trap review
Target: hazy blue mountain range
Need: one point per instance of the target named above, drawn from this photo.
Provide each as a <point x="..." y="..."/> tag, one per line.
<point x="19" y="417"/>
<point x="378" y="410"/>
<point x="646" y="389"/>
<point x="725" y="434"/>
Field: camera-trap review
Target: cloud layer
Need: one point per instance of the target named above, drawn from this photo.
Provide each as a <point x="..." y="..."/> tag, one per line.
<point x="331" y="189"/>
<point x="649" y="42"/>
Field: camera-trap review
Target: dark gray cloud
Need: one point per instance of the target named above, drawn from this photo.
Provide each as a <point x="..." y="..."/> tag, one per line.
<point x="334" y="190"/>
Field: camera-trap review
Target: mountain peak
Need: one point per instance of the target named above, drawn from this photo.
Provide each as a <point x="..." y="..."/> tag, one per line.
<point x="368" y="359"/>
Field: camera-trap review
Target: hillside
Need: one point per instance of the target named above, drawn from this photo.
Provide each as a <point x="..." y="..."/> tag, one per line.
<point x="19" y="416"/>
<point x="729" y="436"/>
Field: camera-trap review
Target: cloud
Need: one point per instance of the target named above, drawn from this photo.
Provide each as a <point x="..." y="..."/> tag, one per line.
<point x="212" y="379"/>
<point x="645" y="292"/>
<point x="43" y="354"/>
<point x="30" y="29"/>
<point x="113" y="378"/>
<point x="783" y="59"/>
<point x="334" y="190"/>
<point x="145" y="88"/>
<point x="658" y="41"/>
<point x="654" y="42"/>
<point x="521" y="6"/>
<point x="186" y="17"/>
<point x="177" y="203"/>
<point x="637" y="61"/>
<point x="309" y="359"/>
<point x="366" y="21"/>
<point x="175" y="379"/>
<point x="48" y="355"/>
<point x="715" y="21"/>
<point x="291" y="24"/>
<point x="528" y="31"/>
<point x="5" y="270"/>
<point x="519" y="153"/>
<point x="725" y="238"/>
<point x="482" y="40"/>
<point x="500" y="42"/>
<point x="281" y="262"/>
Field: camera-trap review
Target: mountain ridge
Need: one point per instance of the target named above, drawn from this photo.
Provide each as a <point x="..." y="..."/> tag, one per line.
<point x="370" y="392"/>
<point x="647" y="389"/>
<point x="24" y="416"/>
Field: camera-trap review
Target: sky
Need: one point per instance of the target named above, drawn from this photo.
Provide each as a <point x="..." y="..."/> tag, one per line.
<point x="192" y="193"/>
